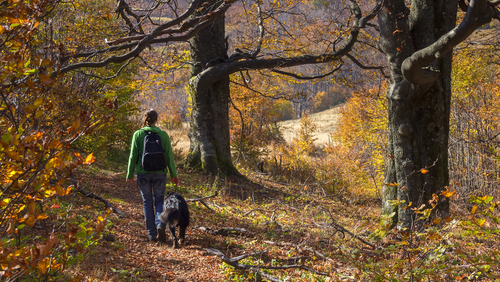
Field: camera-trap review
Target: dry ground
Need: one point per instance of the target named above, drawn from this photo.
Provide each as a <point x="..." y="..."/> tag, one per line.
<point x="132" y="258"/>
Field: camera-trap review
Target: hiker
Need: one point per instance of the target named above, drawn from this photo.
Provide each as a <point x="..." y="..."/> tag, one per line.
<point x="152" y="163"/>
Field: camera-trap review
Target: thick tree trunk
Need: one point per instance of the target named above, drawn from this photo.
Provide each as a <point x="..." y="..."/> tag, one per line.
<point x="419" y="111"/>
<point x="209" y="134"/>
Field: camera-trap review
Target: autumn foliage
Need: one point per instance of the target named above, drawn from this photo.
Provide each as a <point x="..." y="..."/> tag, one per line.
<point x="52" y="126"/>
<point x="475" y="123"/>
<point x="42" y="116"/>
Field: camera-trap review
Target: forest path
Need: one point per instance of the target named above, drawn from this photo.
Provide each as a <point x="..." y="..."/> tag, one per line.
<point x="131" y="257"/>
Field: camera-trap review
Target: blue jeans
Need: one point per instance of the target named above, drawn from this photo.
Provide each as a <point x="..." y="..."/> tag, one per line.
<point x="152" y="187"/>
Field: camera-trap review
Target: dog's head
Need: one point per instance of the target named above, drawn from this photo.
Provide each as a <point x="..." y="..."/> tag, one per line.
<point x="171" y="202"/>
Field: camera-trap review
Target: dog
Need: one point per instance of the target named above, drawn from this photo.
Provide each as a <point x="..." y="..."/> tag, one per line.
<point x="175" y="213"/>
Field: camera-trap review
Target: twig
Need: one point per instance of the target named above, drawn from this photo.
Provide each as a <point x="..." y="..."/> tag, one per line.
<point x="298" y="247"/>
<point x="341" y="228"/>
<point x="203" y="198"/>
<point x="94" y="196"/>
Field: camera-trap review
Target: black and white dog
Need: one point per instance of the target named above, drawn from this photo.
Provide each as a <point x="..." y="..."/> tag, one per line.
<point x="175" y="213"/>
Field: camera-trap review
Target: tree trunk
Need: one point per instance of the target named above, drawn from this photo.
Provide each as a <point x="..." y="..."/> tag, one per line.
<point x="419" y="111"/>
<point x="209" y="133"/>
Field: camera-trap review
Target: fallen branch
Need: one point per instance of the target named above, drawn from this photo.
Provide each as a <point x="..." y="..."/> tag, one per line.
<point x="225" y="231"/>
<point x="298" y="247"/>
<point x="94" y="196"/>
<point x="341" y="230"/>
<point x="204" y="198"/>
<point x="235" y="263"/>
<point x="254" y="210"/>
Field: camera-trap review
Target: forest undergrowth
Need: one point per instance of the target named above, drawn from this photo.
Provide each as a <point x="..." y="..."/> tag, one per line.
<point x="331" y="239"/>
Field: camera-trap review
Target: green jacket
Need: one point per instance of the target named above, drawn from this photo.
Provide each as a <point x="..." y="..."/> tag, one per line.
<point x="135" y="158"/>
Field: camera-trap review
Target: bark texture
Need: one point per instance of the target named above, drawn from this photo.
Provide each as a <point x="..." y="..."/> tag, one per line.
<point x="209" y="135"/>
<point x="417" y="42"/>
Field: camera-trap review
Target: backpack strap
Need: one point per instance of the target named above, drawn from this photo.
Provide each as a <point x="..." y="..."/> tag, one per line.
<point x="148" y="132"/>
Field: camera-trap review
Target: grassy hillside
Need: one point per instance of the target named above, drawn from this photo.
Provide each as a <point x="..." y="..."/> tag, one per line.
<point x="326" y="122"/>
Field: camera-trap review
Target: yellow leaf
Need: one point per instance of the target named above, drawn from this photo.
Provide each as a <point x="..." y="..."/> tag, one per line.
<point x="90" y="158"/>
<point x="43" y="265"/>
<point x="49" y="164"/>
<point x="48" y="193"/>
<point x="481" y="221"/>
<point x="38" y="102"/>
<point x="474" y="209"/>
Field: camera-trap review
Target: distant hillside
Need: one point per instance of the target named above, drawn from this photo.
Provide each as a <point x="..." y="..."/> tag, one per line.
<point x="326" y="122"/>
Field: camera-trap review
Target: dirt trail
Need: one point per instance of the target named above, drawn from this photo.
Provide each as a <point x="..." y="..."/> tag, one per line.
<point x="132" y="257"/>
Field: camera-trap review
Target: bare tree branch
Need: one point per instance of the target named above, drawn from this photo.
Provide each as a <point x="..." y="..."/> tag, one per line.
<point x="190" y="27"/>
<point x="204" y="79"/>
<point x="413" y="68"/>
<point x="359" y="64"/>
<point x="308" y="77"/>
<point x="111" y="76"/>
<point x="261" y="31"/>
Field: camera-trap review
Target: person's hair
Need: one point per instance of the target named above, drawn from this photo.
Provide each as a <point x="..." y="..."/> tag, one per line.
<point x="150" y="117"/>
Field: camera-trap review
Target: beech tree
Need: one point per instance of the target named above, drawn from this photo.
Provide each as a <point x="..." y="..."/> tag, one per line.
<point x="417" y="42"/>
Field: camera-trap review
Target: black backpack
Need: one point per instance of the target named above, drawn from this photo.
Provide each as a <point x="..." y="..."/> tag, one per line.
<point x="153" y="157"/>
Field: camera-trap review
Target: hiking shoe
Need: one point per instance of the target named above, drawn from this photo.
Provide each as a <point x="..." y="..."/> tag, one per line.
<point x="151" y="239"/>
<point x="162" y="238"/>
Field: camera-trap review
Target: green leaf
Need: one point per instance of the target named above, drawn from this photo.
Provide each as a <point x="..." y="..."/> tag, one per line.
<point x="487" y="199"/>
<point x="7" y="137"/>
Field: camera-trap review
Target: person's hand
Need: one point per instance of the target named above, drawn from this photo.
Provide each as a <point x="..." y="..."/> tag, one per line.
<point x="175" y="180"/>
<point x="130" y="180"/>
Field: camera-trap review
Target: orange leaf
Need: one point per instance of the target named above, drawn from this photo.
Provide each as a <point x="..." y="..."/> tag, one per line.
<point x="30" y="221"/>
<point x="424" y="171"/>
<point x="42" y="216"/>
<point x="60" y="190"/>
